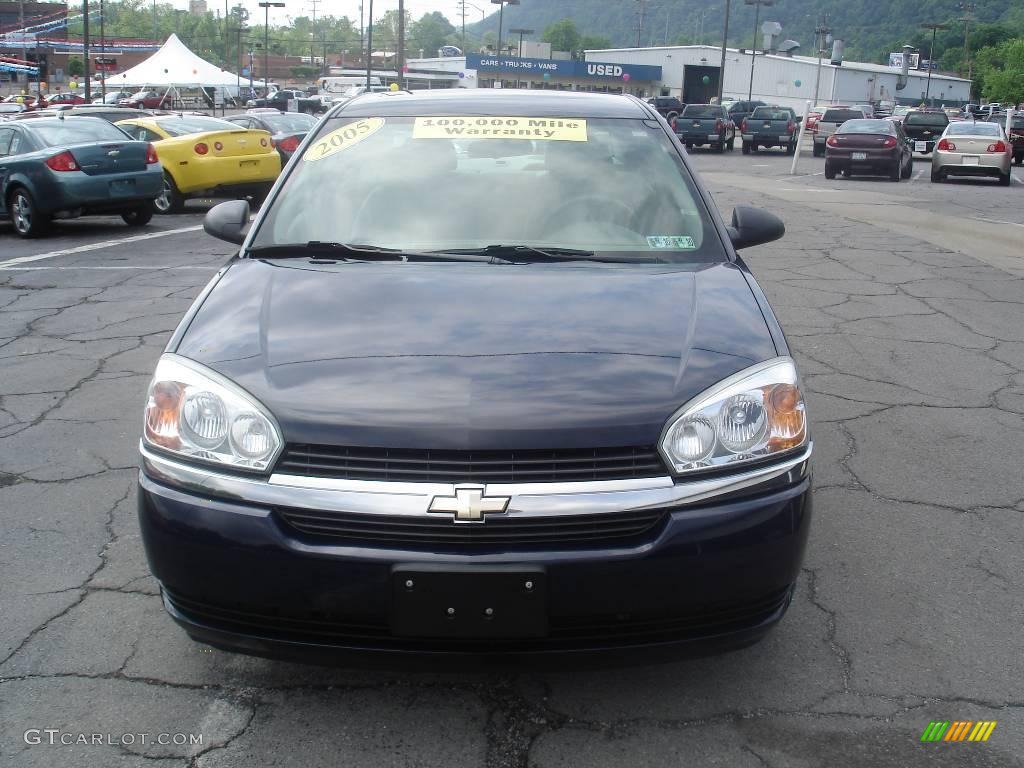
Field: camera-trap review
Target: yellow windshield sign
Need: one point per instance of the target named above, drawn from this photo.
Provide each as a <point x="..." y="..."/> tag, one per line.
<point x="470" y="127"/>
<point x="344" y="138"/>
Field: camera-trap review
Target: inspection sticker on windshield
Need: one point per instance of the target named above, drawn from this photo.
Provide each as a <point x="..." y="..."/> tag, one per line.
<point x="679" y="242"/>
<point x="469" y="127"/>
<point x="344" y="138"/>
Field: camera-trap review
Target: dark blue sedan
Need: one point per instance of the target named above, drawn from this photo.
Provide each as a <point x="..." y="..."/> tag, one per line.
<point x="65" y="167"/>
<point x="487" y="377"/>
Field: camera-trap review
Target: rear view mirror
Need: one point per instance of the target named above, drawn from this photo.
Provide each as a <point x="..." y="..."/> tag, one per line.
<point x="750" y="226"/>
<point x="227" y="221"/>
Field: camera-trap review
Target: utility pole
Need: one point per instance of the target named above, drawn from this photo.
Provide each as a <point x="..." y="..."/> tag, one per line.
<point x="85" y="48"/>
<point x="156" y="39"/>
<point x="103" y="55"/>
<point x="312" y="39"/>
<point x="24" y="48"/>
<point x="821" y="35"/>
<point x="266" y="6"/>
<point x="967" y="18"/>
<point x="641" y="13"/>
<point x="753" y="48"/>
<point x="227" y="37"/>
<point x="725" y="40"/>
<point x="369" y="48"/>
<point x="931" y="60"/>
<point x="400" y="48"/>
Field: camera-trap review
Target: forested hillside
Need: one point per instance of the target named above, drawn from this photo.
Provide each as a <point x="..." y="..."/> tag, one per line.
<point x="870" y="28"/>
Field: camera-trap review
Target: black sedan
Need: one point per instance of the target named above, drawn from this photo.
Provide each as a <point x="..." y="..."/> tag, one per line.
<point x="871" y="147"/>
<point x="287" y="129"/>
<point x="416" y="415"/>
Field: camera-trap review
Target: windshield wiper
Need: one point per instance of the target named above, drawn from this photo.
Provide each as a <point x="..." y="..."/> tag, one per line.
<point x="529" y="254"/>
<point x="319" y="249"/>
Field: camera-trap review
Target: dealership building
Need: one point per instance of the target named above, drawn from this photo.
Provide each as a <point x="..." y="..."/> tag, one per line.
<point x="488" y="71"/>
<point x="692" y="73"/>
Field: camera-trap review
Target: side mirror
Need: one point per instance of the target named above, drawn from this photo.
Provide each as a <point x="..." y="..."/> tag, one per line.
<point x="227" y="221"/>
<point x="750" y="226"/>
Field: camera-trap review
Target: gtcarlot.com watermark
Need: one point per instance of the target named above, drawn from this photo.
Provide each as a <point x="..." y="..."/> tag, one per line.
<point x="57" y="737"/>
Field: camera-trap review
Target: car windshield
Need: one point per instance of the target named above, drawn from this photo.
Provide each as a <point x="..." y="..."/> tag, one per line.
<point x="927" y="118"/>
<point x="767" y="113"/>
<point x="841" y="115"/>
<point x="186" y="124"/>
<point x="868" y="126"/>
<point x="288" y="123"/>
<point x="972" y="129"/>
<point x="612" y="186"/>
<point x="703" y="110"/>
<point x="54" y="132"/>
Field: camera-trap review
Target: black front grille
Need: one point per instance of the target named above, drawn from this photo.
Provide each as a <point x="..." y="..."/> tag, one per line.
<point x="372" y="632"/>
<point x="428" y="533"/>
<point x="430" y="466"/>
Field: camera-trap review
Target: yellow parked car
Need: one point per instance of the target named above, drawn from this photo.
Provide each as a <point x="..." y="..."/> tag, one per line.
<point x="205" y="156"/>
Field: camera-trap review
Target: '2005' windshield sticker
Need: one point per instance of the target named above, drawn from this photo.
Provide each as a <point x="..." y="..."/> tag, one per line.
<point x="489" y="127"/>
<point x="344" y="138"/>
<point x="679" y="242"/>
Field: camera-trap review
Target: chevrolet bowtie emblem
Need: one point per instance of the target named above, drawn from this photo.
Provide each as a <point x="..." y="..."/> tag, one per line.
<point x="469" y="505"/>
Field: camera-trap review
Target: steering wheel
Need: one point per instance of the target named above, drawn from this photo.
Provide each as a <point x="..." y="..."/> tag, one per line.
<point x="597" y="209"/>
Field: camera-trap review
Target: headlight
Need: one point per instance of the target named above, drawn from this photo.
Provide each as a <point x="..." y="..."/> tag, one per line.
<point x="199" y="414"/>
<point x="748" y="417"/>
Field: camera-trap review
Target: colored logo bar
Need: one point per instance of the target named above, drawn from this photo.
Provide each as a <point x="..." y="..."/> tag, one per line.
<point x="958" y="730"/>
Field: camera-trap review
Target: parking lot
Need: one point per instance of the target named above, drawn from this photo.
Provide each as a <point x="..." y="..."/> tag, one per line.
<point x="903" y="304"/>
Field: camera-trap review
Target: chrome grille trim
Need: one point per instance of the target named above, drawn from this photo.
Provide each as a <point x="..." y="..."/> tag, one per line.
<point x="413" y="499"/>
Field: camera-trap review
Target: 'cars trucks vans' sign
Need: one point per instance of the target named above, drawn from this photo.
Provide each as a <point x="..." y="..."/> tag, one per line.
<point x="589" y="70"/>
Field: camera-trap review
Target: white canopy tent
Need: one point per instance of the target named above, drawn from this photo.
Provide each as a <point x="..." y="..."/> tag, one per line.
<point x="174" y="66"/>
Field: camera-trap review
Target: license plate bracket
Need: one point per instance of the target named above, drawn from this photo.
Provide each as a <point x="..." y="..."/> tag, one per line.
<point x="858" y="155"/>
<point x="449" y="601"/>
<point x="122" y="187"/>
<point x="920" y="146"/>
<point x="971" y="160"/>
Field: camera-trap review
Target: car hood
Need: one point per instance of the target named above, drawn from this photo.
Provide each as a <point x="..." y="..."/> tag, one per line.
<point x="476" y="356"/>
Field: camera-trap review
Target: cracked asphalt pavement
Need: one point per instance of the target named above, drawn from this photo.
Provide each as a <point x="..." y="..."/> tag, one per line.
<point x="904" y="306"/>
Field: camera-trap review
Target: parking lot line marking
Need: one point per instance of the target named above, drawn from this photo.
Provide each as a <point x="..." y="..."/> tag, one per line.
<point x="997" y="221"/>
<point x="73" y="267"/>
<point x="918" y="175"/>
<point x="97" y="246"/>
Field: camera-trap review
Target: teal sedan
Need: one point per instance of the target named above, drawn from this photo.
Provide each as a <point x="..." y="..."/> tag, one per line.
<point x="66" y="167"/>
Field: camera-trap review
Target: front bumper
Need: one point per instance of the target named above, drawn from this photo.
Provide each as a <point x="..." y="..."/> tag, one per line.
<point x="714" y="570"/>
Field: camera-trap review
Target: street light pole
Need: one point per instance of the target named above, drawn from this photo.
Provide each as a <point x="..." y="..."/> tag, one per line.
<point x="85" y="48"/>
<point x="501" y="16"/>
<point x="821" y="34"/>
<point x="725" y="40"/>
<point x="520" y="31"/>
<point x="266" y="6"/>
<point x="931" y="60"/>
<point x="753" y="48"/>
<point x="103" y="48"/>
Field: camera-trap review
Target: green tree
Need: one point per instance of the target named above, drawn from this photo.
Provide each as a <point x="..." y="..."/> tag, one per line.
<point x="594" y="43"/>
<point x="563" y="36"/>
<point x="1002" y="71"/>
<point x="430" y="33"/>
<point x="76" y="67"/>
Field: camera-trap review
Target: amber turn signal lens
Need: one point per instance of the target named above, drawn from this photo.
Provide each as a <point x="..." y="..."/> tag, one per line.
<point x="162" y="413"/>
<point x="787" y="417"/>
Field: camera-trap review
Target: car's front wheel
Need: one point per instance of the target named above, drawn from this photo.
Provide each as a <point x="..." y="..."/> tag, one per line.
<point x="25" y="215"/>
<point x="170" y="200"/>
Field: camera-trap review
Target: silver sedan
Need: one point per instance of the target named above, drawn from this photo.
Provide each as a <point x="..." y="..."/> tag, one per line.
<point x="971" y="148"/>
